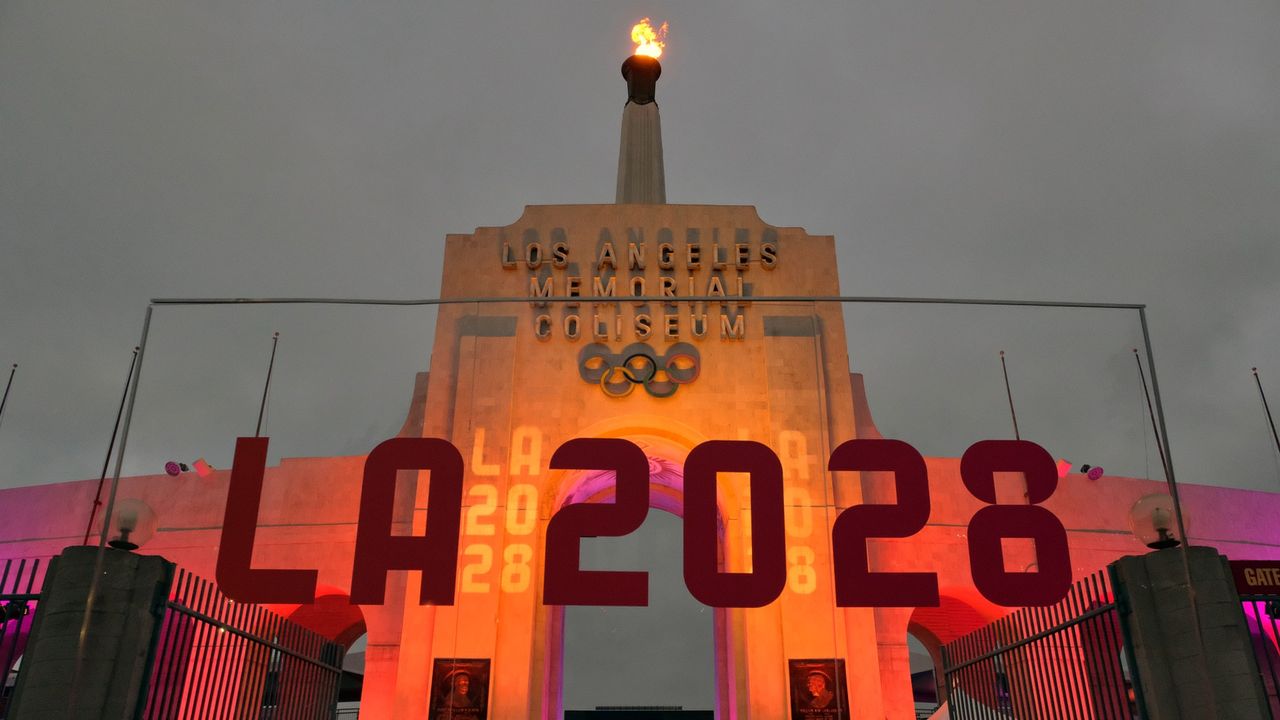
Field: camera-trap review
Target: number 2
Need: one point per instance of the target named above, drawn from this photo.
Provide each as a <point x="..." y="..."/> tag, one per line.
<point x="856" y="585"/>
<point x="565" y="583"/>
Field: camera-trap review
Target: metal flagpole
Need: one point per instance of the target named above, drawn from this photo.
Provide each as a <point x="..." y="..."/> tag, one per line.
<point x="1151" y="413"/>
<point x="124" y="430"/>
<point x="74" y="688"/>
<point x="1163" y="431"/>
<point x="1271" y="421"/>
<point x="1009" y="393"/>
<point x="275" y="340"/>
<point x="106" y="462"/>
<point x="5" y="400"/>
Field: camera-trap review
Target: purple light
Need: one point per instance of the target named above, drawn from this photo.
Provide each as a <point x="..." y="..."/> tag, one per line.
<point x="172" y="469"/>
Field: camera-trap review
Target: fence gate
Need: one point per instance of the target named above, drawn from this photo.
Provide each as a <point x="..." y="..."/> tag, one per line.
<point x="19" y="596"/>
<point x="215" y="658"/>
<point x="1062" y="661"/>
<point x="1262" y="612"/>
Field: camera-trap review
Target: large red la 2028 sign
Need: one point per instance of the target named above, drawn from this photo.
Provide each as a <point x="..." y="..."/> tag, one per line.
<point x="435" y="554"/>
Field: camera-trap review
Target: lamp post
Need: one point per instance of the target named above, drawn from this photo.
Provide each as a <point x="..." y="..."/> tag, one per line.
<point x="1153" y="523"/>
<point x="133" y="524"/>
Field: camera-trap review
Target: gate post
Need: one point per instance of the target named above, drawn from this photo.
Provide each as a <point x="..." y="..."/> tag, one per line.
<point x="118" y="640"/>
<point x="1180" y="680"/>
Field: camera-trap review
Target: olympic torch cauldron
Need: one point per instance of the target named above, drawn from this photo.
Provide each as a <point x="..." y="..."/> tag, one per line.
<point x="641" y="176"/>
<point x="642" y="69"/>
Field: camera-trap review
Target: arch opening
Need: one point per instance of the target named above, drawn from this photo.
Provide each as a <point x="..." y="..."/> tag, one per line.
<point x="662" y="654"/>
<point x="928" y="629"/>
<point x="927" y="686"/>
<point x="666" y="485"/>
<point x="333" y="616"/>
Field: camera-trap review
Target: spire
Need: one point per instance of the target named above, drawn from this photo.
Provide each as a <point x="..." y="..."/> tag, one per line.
<point x="641" y="178"/>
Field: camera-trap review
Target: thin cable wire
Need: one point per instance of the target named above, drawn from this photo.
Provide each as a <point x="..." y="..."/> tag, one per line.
<point x="650" y="298"/>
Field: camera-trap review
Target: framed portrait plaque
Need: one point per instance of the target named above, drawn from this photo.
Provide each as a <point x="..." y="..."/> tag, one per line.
<point x="460" y="689"/>
<point x="819" y="689"/>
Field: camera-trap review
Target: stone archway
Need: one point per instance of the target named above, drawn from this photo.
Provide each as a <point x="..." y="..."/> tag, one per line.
<point x="957" y="614"/>
<point x="666" y="446"/>
<point x="927" y="683"/>
<point x="333" y="616"/>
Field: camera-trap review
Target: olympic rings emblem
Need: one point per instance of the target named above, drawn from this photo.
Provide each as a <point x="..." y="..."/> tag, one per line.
<point x="617" y="374"/>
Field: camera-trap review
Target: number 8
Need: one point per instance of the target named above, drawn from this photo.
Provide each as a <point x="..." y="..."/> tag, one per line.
<point x="991" y="524"/>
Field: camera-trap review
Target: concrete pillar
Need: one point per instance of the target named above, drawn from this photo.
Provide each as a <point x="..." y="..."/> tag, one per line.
<point x="895" y="660"/>
<point x="378" y="696"/>
<point x="1180" y="681"/>
<point x="127" y="610"/>
<point x="641" y="177"/>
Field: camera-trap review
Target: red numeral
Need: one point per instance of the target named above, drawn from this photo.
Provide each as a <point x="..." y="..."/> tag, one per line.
<point x="239" y="529"/>
<point x="435" y="553"/>
<point x="855" y="584"/>
<point x="701" y="545"/>
<point x="564" y="582"/>
<point x="990" y="524"/>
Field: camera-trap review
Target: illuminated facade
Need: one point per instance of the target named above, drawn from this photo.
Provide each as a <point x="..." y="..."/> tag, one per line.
<point x="510" y="382"/>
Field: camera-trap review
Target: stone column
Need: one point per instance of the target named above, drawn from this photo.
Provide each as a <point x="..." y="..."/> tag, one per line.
<point x="1180" y="679"/>
<point x="105" y="683"/>
<point x="641" y="177"/>
<point x="895" y="660"/>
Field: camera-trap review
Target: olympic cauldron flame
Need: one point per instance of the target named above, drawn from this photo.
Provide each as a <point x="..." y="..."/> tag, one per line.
<point x="649" y="41"/>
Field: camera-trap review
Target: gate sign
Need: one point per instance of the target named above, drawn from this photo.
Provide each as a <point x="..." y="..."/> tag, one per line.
<point x="1256" y="577"/>
<point x="435" y="553"/>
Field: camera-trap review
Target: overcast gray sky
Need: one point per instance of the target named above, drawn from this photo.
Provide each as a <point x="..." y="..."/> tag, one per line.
<point x="1088" y="150"/>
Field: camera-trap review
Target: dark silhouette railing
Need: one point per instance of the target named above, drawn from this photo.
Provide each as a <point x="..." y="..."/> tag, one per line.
<point x="218" y="658"/>
<point x="20" y="581"/>
<point x="1062" y="661"/>
<point x="1262" y="612"/>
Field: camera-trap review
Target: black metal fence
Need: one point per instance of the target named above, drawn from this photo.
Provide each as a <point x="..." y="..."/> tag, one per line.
<point x="19" y="595"/>
<point x="215" y="658"/>
<point x="1262" y="612"/>
<point x="1062" y="661"/>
